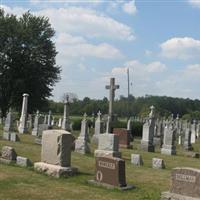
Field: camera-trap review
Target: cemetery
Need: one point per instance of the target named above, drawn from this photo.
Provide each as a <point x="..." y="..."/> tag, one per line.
<point x="115" y="148"/>
<point x="100" y="161"/>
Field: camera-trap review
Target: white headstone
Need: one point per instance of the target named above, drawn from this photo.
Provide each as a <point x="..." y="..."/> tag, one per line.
<point x="23" y="119"/>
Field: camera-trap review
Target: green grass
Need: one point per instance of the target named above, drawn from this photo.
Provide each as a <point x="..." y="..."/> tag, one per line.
<point x="17" y="183"/>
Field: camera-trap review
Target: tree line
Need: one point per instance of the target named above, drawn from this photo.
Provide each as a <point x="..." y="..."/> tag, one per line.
<point x="134" y="106"/>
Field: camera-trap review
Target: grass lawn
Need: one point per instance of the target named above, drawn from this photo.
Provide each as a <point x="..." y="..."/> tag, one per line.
<point x="19" y="183"/>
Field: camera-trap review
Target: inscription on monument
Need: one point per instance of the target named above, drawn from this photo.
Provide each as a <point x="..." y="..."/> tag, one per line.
<point x="111" y="171"/>
<point x="186" y="178"/>
<point x="106" y="165"/>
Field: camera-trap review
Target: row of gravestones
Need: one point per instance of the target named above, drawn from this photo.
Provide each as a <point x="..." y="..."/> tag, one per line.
<point x="109" y="167"/>
<point x="150" y="132"/>
<point x="170" y="132"/>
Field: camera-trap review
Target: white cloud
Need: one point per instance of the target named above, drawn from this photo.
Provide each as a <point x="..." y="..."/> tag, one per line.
<point x="64" y="38"/>
<point x="87" y="22"/>
<point x="181" y="48"/>
<point x="156" y="67"/>
<point x="16" y="10"/>
<point x="148" y="53"/>
<point x="76" y="46"/>
<point x="195" y="3"/>
<point x="142" y="73"/>
<point x="130" y="7"/>
<point x="82" y="67"/>
<point x="84" y="21"/>
<point x="192" y="72"/>
<point x="181" y="83"/>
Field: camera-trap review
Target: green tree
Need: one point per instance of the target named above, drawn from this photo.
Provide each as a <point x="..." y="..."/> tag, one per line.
<point x="27" y="60"/>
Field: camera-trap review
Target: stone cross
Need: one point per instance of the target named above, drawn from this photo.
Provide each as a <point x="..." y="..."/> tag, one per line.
<point x="98" y="129"/>
<point x="23" y="119"/>
<point x="151" y="114"/>
<point x="112" y="87"/>
<point x="82" y="142"/>
<point x="99" y="114"/>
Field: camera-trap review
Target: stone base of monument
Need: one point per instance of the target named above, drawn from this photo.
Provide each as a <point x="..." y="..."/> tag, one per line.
<point x="82" y="146"/>
<point x="6" y="135"/>
<point x="167" y="150"/>
<point x="126" y="146"/>
<point x="173" y="196"/>
<point x="146" y="146"/>
<point x="188" y="147"/>
<point x="34" y="132"/>
<point x="55" y="170"/>
<point x="38" y="141"/>
<point x="104" y="153"/>
<point x="108" y="186"/>
<point x="95" y="139"/>
<point x="156" y="140"/>
<point x="22" y="130"/>
<point x="6" y="161"/>
<point x="14" y="137"/>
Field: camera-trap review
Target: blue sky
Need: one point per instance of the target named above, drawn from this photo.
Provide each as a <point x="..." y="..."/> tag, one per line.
<point x="159" y="41"/>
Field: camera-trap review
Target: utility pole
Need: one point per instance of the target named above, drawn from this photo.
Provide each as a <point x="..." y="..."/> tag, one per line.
<point x="128" y="105"/>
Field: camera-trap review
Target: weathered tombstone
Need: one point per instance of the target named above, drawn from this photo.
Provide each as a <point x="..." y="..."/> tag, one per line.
<point x="129" y="125"/>
<point x="112" y="87"/>
<point x="110" y="172"/>
<point x="124" y="137"/>
<point x="60" y="122"/>
<point x="36" y="124"/>
<point x="109" y="125"/>
<point x="158" y="163"/>
<point x="136" y="159"/>
<point x="45" y="119"/>
<point x="179" y="139"/>
<point x="93" y="120"/>
<point x="56" y="154"/>
<point x="53" y="121"/>
<point x="8" y="155"/>
<point x="49" y="118"/>
<point x="198" y="129"/>
<point x="65" y="121"/>
<point x="158" y="132"/>
<point x="129" y="128"/>
<point x="193" y="132"/>
<point x="9" y="133"/>
<point x="23" y="162"/>
<point x="178" y="125"/>
<point x="108" y="146"/>
<point x="30" y="122"/>
<point x="41" y="128"/>
<point x="14" y="137"/>
<point x="6" y="136"/>
<point x="187" y="140"/>
<point x="169" y="146"/>
<point x="23" y="119"/>
<point x="82" y="142"/>
<point x="148" y="133"/>
<point x="185" y="185"/>
<point x="98" y="129"/>
<point x="8" y="126"/>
